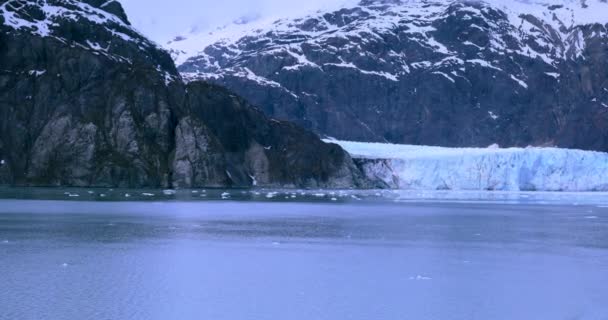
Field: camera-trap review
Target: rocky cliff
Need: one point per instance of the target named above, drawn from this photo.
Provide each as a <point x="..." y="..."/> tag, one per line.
<point x="447" y="73"/>
<point x="86" y="100"/>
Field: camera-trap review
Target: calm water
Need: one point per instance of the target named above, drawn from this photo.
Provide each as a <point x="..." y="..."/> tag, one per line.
<point x="302" y="260"/>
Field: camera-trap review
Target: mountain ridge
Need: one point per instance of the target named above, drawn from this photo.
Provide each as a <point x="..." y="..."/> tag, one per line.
<point x="355" y="73"/>
<point x="86" y="100"/>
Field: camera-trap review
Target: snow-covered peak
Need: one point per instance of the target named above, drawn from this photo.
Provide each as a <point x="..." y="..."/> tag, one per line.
<point x="40" y="16"/>
<point x="50" y="18"/>
<point x="416" y="71"/>
<point x="567" y="13"/>
<point x="381" y="15"/>
<point x="192" y="41"/>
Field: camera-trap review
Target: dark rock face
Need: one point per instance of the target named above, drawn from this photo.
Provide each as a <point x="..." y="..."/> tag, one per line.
<point x="448" y="73"/>
<point x="271" y="152"/>
<point x="85" y="100"/>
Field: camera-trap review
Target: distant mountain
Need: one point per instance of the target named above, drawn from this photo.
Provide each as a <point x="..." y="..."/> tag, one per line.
<point x="448" y="73"/>
<point x="86" y="100"/>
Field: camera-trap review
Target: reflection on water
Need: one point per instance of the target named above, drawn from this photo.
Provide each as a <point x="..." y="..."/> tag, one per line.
<point x="359" y="259"/>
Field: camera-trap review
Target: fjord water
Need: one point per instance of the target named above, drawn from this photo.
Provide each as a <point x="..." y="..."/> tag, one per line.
<point x="287" y="259"/>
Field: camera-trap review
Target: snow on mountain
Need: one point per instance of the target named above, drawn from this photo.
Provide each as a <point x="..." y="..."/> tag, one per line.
<point x="85" y="100"/>
<point x="192" y="42"/>
<point x="512" y="169"/>
<point x="451" y="73"/>
<point x="373" y="17"/>
<point x="43" y="21"/>
<point x="113" y="31"/>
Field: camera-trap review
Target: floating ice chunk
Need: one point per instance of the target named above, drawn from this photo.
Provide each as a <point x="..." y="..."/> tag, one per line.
<point x="225" y="195"/>
<point x="147" y="194"/>
<point x="36" y="73"/>
<point x="2" y="162"/>
<point x="169" y="192"/>
<point x="270" y="195"/>
<point x="421" y="278"/>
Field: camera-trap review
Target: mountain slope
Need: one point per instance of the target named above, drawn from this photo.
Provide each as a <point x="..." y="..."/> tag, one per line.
<point x="85" y="100"/>
<point x="450" y="73"/>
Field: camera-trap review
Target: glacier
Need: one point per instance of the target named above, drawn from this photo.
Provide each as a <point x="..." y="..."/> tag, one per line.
<point x="474" y="169"/>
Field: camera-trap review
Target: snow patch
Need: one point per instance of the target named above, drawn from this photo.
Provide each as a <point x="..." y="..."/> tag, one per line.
<point x="350" y="65"/>
<point x="445" y="76"/>
<point x="520" y="82"/>
<point x="36" y="73"/>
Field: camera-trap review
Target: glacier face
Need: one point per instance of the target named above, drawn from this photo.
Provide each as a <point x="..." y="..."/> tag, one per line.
<point x="513" y="169"/>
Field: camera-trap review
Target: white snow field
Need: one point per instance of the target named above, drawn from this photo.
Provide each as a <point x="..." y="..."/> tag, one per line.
<point x="513" y="169"/>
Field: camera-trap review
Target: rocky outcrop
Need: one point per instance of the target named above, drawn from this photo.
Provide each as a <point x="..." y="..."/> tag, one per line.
<point x="272" y="152"/>
<point x="85" y="100"/>
<point x="448" y="73"/>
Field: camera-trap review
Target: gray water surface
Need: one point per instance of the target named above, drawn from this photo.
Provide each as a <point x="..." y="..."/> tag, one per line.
<point x="302" y="260"/>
